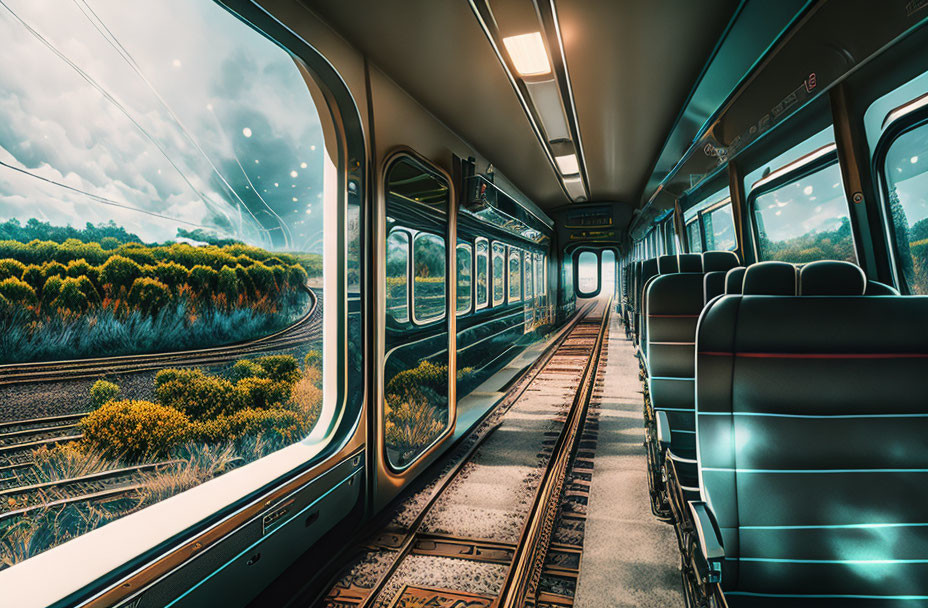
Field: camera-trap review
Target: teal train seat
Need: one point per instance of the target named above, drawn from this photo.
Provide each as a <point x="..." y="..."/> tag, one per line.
<point x="812" y="421"/>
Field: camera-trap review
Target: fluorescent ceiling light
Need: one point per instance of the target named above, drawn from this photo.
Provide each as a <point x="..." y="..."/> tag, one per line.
<point x="568" y="164"/>
<point x="547" y="102"/>
<point x="575" y="189"/>
<point x="528" y="54"/>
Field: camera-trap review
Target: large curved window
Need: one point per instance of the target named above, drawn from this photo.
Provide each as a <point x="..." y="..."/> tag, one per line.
<point x="905" y="171"/>
<point x="158" y="198"/>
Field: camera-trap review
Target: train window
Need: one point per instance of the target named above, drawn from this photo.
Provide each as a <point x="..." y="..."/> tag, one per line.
<point x="482" y="263"/>
<point x="428" y="285"/>
<point x="694" y="236"/>
<point x="162" y="198"/>
<point x="720" y="228"/>
<point x="465" y="279"/>
<point x="805" y="220"/>
<point x="416" y="372"/>
<point x="540" y="288"/>
<point x="398" y="276"/>
<point x="515" y="275"/>
<point x="529" y="275"/>
<point x="607" y="271"/>
<point x="499" y="273"/>
<point x="905" y="173"/>
<point x="587" y="273"/>
<point x="670" y="243"/>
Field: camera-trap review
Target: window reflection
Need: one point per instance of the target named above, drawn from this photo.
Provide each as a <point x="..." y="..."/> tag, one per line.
<point x="398" y="276"/>
<point x="499" y="273"/>
<point x="465" y="278"/>
<point x="515" y="275"/>
<point x="482" y="272"/>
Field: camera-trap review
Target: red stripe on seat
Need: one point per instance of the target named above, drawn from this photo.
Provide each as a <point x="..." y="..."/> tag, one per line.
<point x="820" y="355"/>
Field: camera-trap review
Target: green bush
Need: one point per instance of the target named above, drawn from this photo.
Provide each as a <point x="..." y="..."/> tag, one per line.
<point x="54" y="269"/>
<point x="109" y="243"/>
<point x="246" y="368"/>
<point x="313" y="359"/>
<point x="51" y="289"/>
<point x="135" y="430"/>
<point x="262" y="278"/>
<point x="87" y="288"/>
<point x="33" y="275"/>
<point x="275" y="424"/>
<point x="18" y="291"/>
<point x="171" y="274"/>
<point x="149" y="295"/>
<point x="102" y="392"/>
<point x="282" y="368"/>
<point x="262" y="393"/>
<point x="11" y="268"/>
<point x="297" y="275"/>
<point x="227" y="284"/>
<point x="80" y="268"/>
<point x="203" y="280"/>
<point x="119" y="272"/>
<point x="196" y="394"/>
<point x="71" y="297"/>
<point x="138" y="253"/>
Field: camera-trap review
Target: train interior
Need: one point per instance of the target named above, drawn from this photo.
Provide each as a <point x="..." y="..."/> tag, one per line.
<point x="483" y="304"/>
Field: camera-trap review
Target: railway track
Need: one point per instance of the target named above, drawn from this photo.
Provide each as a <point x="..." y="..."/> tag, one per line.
<point x="380" y="575"/>
<point x="305" y="328"/>
<point x="19" y="438"/>
<point x="104" y="485"/>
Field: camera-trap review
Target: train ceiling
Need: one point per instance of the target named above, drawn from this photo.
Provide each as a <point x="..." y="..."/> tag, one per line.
<point x="631" y="67"/>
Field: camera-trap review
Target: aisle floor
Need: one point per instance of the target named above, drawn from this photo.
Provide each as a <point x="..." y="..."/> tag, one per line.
<point x="630" y="559"/>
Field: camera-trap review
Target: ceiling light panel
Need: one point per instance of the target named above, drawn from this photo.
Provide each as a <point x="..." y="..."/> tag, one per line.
<point x="547" y="102"/>
<point x="528" y="54"/>
<point x="568" y="164"/>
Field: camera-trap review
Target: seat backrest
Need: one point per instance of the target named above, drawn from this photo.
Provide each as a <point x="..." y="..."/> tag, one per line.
<point x="770" y="279"/>
<point x="713" y="261"/>
<point x="667" y="264"/>
<point x="716" y="264"/>
<point x="811" y="418"/>
<point x="734" y="280"/>
<point x="674" y="305"/>
<point x="648" y="270"/>
<point x="689" y="262"/>
<point x="831" y="278"/>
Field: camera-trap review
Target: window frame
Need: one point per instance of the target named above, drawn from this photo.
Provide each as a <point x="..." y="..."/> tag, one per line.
<point x="503" y="275"/>
<point x="904" y="123"/>
<point x="478" y="305"/>
<point x="409" y="238"/>
<point x="709" y="211"/>
<point x="510" y="250"/>
<point x="813" y="162"/>
<point x="444" y="312"/>
<point x="599" y="273"/>
<point x="470" y="301"/>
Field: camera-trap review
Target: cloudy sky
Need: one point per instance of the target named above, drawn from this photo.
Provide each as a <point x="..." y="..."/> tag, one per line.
<point x="156" y="115"/>
<point x="815" y="203"/>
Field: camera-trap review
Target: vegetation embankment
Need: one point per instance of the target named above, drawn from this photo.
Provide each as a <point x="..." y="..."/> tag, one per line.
<point x="81" y="297"/>
<point x="210" y="423"/>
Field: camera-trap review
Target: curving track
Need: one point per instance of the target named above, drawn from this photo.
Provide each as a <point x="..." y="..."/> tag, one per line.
<point x="307" y="328"/>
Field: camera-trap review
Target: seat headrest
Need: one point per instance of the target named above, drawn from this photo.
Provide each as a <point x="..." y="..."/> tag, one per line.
<point x="667" y="264"/>
<point x="689" y="262"/>
<point x="719" y="260"/>
<point x="649" y="267"/>
<point x="770" y="279"/>
<point x="734" y="279"/>
<point x="832" y="278"/>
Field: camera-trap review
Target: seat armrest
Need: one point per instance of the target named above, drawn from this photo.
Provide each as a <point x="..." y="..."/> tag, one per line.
<point x="710" y="540"/>
<point x="663" y="429"/>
